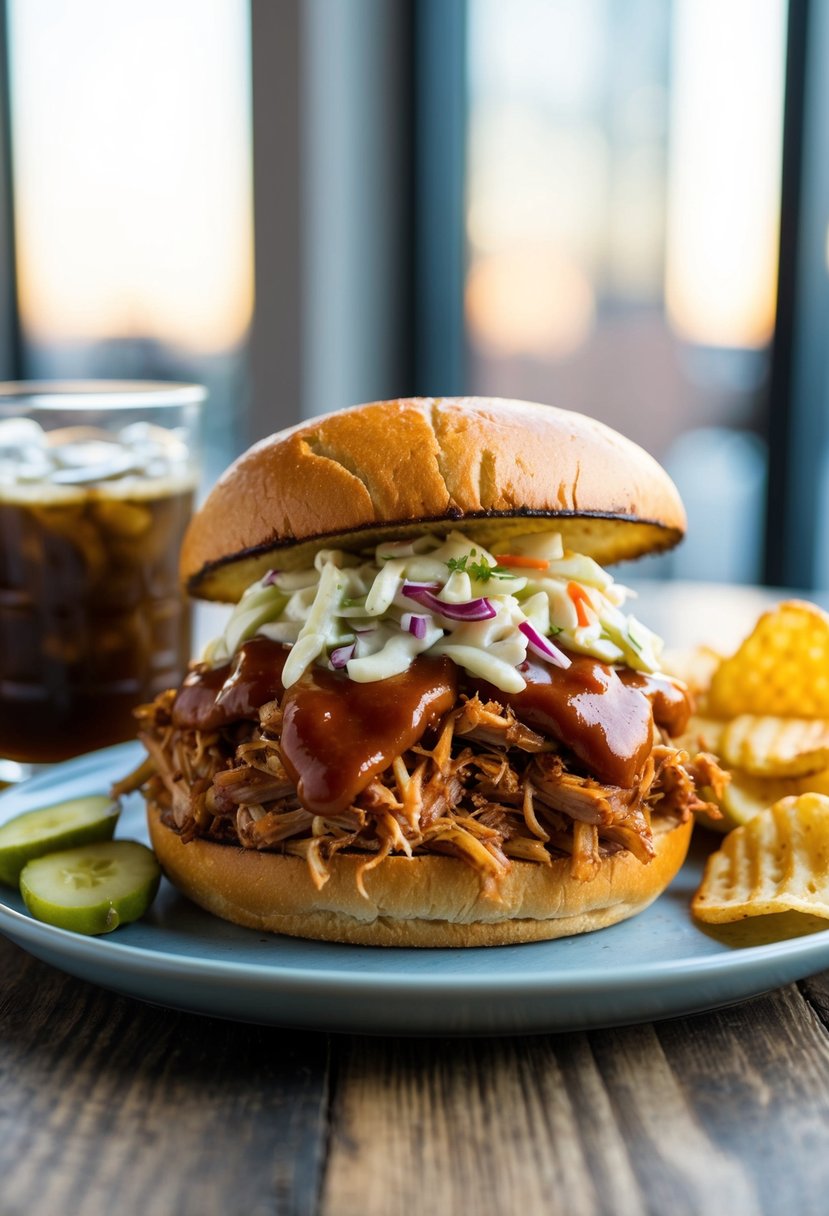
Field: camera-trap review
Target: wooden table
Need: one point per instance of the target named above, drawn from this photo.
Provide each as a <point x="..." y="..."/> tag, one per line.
<point x="108" y="1106"/>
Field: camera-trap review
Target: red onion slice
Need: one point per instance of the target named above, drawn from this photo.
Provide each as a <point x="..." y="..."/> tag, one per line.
<point x="270" y="578"/>
<point x="341" y="655"/>
<point x="543" y="647"/>
<point x="416" y="624"/>
<point x="472" y="610"/>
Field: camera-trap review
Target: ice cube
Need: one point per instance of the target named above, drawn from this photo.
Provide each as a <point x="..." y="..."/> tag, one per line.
<point x="96" y="460"/>
<point x="33" y="466"/>
<point x="19" y="435"/>
<point x="157" y="448"/>
<point x="86" y="455"/>
<point x="23" y="455"/>
<point x="65" y="436"/>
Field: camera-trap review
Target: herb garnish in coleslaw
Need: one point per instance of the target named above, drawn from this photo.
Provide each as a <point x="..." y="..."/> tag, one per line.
<point x="372" y="614"/>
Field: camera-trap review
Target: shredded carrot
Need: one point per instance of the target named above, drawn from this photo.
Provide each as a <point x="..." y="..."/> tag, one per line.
<point x="579" y="597"/>
<point x="523" y="563"/>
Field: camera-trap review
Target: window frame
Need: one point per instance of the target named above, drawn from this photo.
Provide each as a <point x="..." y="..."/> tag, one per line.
<point x="440" y="137"/>
<point x="798" y="408"/>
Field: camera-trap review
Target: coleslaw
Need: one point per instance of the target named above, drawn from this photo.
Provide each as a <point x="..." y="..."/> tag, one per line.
<point x="370" y="615"/>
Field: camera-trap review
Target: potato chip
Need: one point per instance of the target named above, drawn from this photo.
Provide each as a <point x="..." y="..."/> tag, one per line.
<point x="775" y="747"/>
<point x="781" y="668"/>
<point x="815" y="783"/>
<point x="694" y="667"/>
<point x="778" y="862"/>
<point x="701" y="735"/>
<point x="744" y="797"/>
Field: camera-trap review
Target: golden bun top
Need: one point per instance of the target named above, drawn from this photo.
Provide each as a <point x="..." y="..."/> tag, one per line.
<point x="487" y="466"/>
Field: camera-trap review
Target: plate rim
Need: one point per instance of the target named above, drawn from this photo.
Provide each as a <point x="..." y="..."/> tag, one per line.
<point x="297" y="979"/>
<point x="95" y="949"/>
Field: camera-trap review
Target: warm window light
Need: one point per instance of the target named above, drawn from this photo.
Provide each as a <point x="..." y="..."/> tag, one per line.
<point x="532" y="300"/>
<point x="724" y="176"/>
<point x="132" y="169"/>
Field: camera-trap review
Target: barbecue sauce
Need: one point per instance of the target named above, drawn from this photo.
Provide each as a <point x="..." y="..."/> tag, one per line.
<point x="588" y="707"/>
<point x="211" y="697"/>
<point x="669" y="699"/>
<point x="338" y="734"/>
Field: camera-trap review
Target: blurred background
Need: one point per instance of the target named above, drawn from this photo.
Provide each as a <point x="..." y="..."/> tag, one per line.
<point x="618" y="206"/>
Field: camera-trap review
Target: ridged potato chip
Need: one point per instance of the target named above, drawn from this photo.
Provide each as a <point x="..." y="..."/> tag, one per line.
<point x="744" y="797"/>
<point x="781" y="668"/>
<point x="694" y="667"/>
<point x="775" y="747"/>
<point x="778" y="862"/>
<point x="701" y="735"/>
<point x="815" y="783"/>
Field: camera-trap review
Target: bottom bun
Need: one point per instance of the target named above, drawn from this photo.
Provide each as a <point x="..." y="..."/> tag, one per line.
<point x="421" y="901"/>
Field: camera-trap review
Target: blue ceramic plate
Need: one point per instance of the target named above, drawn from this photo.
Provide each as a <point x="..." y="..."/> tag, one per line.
<point x="654" y="966"/>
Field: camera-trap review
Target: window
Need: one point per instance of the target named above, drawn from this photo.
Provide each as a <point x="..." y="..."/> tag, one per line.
<point x="133" y="197"/>
<point x="620" y="206"/>
<point x="622" y="226"/>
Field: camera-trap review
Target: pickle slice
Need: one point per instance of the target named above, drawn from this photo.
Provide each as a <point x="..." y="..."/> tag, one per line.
<point x="62" y="826"/>
<point x="93" y="888"/>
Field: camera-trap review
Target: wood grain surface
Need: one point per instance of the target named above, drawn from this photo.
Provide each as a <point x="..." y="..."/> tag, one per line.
<point x="110" y="1106"/>
<point x="726" y="1112"/>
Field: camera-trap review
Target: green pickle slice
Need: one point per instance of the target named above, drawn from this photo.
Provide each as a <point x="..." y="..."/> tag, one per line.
<point x="93" y="888"/>
<point x="62" y="826"/>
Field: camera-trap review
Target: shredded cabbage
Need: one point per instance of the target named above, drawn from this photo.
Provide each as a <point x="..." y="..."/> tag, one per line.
<point x="358" y="598"/>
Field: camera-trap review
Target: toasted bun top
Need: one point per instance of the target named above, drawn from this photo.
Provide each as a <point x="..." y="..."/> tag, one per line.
<point x="381" y="471"/>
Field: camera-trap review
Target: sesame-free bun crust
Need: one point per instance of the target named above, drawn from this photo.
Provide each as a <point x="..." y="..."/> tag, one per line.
<point x="487" y="466"/>
<point x="421" y="901"/>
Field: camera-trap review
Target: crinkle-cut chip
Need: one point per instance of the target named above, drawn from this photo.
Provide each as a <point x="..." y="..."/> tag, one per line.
<point x="815" y="783"/>
<point x="781" y="668"/>
<point x="775" y="747"/>
<point x="701" y="735"/>
<point x="778" y="862"/>
<point x="744" y="797"/>
<point x="694" y="667"/>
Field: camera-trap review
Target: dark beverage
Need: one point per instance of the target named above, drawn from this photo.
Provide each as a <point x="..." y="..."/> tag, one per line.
<point x="92" y="620"/>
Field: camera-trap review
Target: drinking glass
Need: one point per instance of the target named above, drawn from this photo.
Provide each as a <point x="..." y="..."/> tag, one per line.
<point x="96" y="487"/>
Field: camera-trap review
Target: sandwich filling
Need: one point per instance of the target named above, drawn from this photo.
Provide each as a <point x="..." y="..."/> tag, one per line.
<point x="432" y="697"/>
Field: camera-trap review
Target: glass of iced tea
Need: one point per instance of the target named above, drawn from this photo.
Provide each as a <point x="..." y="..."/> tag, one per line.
<point x="96" y="487"/>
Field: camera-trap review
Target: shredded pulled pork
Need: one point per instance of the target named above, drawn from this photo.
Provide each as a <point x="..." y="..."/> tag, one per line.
<point x="487" y="790"/>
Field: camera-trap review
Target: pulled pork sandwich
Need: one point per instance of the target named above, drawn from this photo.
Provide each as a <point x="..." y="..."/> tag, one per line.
<point x="429" y="720"/>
